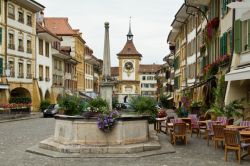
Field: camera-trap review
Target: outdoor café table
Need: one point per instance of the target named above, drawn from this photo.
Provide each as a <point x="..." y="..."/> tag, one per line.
<point x="236" y="127"/>
<point x="158" y="124"/>
<point x="246" y="134"/>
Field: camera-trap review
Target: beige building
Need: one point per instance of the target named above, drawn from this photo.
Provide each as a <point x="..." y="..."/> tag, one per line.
<point x="17" y="59"/>
<point x="73" y="43"/>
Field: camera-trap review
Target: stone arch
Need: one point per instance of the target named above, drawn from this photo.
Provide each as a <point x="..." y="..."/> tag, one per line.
<point x="20" y="92"/>
<point x="58" y="97"/>
<point x="47" y="95"/>
<point x="41" y="94"/>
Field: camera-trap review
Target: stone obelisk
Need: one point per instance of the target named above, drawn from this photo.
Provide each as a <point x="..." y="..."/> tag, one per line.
<point x="106" y="86"/>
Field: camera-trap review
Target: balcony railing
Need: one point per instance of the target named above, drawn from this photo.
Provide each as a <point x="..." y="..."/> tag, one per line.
<point x="11" y="46"/>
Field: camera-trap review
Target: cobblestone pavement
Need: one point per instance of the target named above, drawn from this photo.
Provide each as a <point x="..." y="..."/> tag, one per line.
<point x="17" y="136"/>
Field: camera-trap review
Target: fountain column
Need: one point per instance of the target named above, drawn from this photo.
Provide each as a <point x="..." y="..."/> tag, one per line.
<point x="106" y="85"/>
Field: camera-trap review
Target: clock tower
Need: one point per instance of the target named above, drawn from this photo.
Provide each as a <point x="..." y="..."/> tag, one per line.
<point x="129" y="62"/>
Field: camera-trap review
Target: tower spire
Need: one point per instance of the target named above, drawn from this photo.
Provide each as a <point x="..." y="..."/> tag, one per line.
<point x="130" y="35"/>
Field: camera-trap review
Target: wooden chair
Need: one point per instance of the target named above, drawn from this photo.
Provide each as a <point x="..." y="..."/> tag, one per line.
<point x="194" y="126"/>
<point x="209" y="130"/>
<point x="202" y="126"/>
<point x="245" y="123"/>
<point x="234" y="142"/>
<point x="218" y="134"/>
<point x="167" y="121"/>
<point x="179" y="131"/>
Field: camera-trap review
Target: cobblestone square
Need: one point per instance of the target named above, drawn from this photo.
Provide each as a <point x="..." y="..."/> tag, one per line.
<point x="17" y="136"/>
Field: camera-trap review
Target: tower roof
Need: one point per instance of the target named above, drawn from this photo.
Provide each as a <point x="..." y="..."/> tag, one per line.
<point x="129" y="49"/>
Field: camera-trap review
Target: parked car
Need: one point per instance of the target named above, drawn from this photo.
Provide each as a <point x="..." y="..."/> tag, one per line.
<point x="51" y="110"/>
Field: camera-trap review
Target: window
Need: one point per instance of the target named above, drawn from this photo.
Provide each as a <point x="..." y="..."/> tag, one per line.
<point x="40" y="73"/>
<point x="12" y="68"/>
<point x="11" y="11"/>
<point x="150" y="78"/>
<point x="152" y="85"/>
<point x="11" y="41"/>
<point x="1" y="66"/>
<point x="28" y="70"/>
<point x="29" y="50"/>
<point x="143" y="77"/>
<point x="20" y="44"/>
<point x="47" y="49"/>
<point x="47" y="73"/>
<point x="40" y="46"/>
<point x="20" y="70"/>
<point x="20" y="16"/>
<point x="29" y="20"/>
<point x="1" y="35"/>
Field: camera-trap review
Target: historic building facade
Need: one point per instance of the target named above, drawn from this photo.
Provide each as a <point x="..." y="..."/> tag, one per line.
<point x="18" y="35"/>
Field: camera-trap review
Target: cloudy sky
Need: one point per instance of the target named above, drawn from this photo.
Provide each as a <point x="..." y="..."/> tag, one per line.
<point x="151" y="21"/>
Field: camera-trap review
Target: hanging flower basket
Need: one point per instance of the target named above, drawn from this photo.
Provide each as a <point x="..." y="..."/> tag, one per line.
<point x="211" y="25"/>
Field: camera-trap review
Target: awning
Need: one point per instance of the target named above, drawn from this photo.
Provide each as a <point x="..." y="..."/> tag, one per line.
<point x="245" y="16"/>
<point x="239" y="5"/>
<point x="4" y="86"/>
<point x="238" y="74"/>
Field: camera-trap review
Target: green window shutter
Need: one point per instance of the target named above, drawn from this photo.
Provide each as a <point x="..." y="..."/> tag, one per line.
<point x="237" y="36"/>
<point x="248" y="31"/>
<point x="1" y="35"/>
<point x="1" y="66"/>
<point x="231" y="41"/>
<point x="225" y="43"/>
<point x="221" y="45"/>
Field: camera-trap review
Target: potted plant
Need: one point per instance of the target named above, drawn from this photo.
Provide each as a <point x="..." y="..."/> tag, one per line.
<point x="195" y="107"/>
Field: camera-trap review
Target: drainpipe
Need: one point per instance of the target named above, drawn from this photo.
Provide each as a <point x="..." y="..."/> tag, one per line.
<point x="5" y="36"/>
<point x="196" y="48"/>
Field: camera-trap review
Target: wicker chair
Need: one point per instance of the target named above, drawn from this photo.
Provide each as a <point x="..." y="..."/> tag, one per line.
<point x="179" y="131"/>
<point x="234" y="142"/>
<point x="218" y="134"/>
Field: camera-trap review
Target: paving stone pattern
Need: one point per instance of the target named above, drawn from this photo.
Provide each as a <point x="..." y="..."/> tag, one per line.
<point x="17" y="136"/>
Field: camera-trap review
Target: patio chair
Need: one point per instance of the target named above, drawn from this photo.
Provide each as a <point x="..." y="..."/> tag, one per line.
<point x="222" y="120"/>
<point x="234" y="142"/>
<point x="176" y="120"/>
<point x="209" y="130"/>
<point x="194" y="126"/>
<point x="202" y="126"/>
<point x="218" y="134"/>
<point x="179" y="131"/>
<point x="166" y="124"/>
<point x="245" y="123"/>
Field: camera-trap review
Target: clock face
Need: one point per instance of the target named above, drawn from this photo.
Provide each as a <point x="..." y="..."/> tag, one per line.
<point x="128" y="66"/>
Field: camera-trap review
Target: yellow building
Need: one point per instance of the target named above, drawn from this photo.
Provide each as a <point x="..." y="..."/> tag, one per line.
<point x="17" y="59"/>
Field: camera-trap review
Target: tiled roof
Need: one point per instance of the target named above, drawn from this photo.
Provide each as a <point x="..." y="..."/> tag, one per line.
<point x="149" y="68"/>
<point x="59" y="25"/>
<point x="129" y="49"/>
<point x="41" y="29"/>
<point x="114" y="71"/>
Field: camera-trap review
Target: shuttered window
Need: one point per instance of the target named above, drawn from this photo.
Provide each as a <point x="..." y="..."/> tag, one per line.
<point x="237" y="36"/>
<point x="1" y="35"/>
<point x="1" y="66"/>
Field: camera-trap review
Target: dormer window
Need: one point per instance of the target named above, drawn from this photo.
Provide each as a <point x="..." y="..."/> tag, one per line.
<point x="20" y="16"/>
<point x="11" y="11"/>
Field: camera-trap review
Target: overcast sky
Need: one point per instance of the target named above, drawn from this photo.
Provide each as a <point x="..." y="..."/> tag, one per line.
<point x="151" y="20"/>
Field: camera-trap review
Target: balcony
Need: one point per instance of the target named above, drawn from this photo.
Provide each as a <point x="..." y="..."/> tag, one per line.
<point x="20" y="48"/>
<point x="11" y="46"/>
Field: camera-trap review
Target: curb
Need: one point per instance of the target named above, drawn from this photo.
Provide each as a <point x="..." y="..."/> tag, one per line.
<point x="34" y="116"/>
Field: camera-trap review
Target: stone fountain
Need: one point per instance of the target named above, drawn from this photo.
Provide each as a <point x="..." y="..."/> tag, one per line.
<point x="76" y="135"/>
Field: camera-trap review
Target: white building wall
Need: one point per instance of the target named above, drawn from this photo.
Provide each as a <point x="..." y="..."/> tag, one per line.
<point x="45" y="62"/>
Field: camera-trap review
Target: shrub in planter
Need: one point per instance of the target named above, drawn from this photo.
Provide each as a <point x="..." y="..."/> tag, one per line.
<point x="144" y="105"/>
<point x="72" y="105"/>
<point x="98" y="103"/>
<point x="44" y="105"/>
